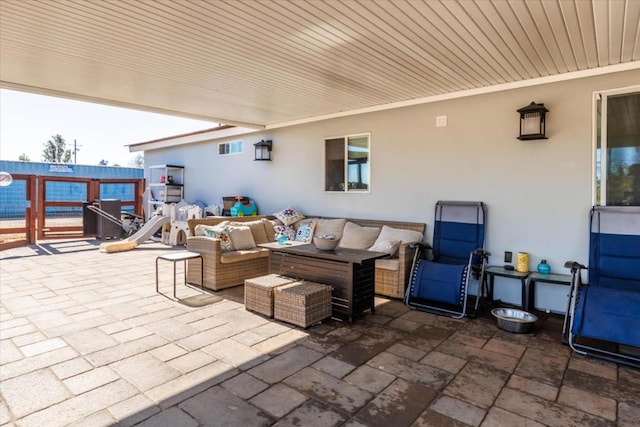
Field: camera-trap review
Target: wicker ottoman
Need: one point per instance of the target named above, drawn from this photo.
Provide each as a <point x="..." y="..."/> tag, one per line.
<point x="302" y="303"/>
<point x="258" y="292"/>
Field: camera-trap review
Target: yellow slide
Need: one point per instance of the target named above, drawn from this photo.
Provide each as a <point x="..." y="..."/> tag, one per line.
<point x="140" y="236"/>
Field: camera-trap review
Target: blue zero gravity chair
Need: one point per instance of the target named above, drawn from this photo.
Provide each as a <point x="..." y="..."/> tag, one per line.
<point x="604" y="315"/>
<point x="441" y="285"/>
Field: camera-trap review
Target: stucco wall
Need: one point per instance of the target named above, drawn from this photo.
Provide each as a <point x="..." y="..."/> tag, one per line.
<point x="538" y="193"/>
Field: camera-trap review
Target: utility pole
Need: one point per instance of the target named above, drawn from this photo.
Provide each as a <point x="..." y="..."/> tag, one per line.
<point x="75" y="150"/>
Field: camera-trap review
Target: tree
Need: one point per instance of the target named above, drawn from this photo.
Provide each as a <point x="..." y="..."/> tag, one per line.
<point x="137" y="161"/>
<point x="24" y="158"/>
<point x="55" y="150"/>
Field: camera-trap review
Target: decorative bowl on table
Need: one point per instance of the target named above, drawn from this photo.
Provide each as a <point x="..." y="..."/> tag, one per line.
<point x="513" y="320"/>
<point x="325" y="244"/>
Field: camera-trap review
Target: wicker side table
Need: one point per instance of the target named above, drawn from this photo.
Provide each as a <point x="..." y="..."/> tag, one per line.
<point x="258" y="292"/>
<point x="302" y="303"/>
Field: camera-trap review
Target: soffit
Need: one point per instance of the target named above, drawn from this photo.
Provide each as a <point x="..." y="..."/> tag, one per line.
<point x="263" y="63"/>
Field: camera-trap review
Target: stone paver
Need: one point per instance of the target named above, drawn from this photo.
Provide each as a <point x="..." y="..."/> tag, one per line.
<point x="333" y="366"/>
<point x="235" y="354"/>
<point x="312" y="414"/>
<point x="283" y="365"/>
<point x="334" y="392"/>
<point x="170" y="417"/>
<point x="278" y="400"/>
<point x="217" y="406"/>
<point x="31" y="392"/>
<point x="191" y="361"/>
<point x="500" y="418"/>
<point x="133" y="410"/>
<point x="91" y="379"/>
<point x="459" y="410"/>
<point x="397" y="405"/>
<point x="82" y="344"/>
<point x="477" y="384"/>
<point x="90" y="340"/>
<point x="370" y="379"/>
<point x="244" y="386"/>
<point x="144" y="371"/>
<point x="588" y="402"/>
<point x="544" y="411"/>
<point x="410" y="370"/>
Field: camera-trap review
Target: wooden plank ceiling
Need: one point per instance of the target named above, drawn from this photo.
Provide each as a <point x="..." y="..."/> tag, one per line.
<point x="268" y="62"/>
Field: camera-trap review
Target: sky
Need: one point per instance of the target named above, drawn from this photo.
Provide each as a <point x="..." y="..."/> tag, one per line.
<point x="101" y="132"/>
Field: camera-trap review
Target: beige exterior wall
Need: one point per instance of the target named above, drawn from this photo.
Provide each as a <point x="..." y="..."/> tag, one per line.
<point x="538" y="193"/>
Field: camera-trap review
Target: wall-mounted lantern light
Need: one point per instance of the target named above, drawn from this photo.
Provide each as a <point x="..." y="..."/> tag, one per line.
<point x="532" y="121"/>
<point x="263" y="150"/>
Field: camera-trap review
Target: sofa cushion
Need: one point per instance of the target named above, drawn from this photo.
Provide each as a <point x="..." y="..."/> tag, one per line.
<point x="387" y="246"/>
<point x="220" y="233"/>
<point x="305" y="232"/>
<point x="288" y="216"/>
<point x="268" y="228"/>
<point x="404" y="236"/>
<point x="201" y="229"/>
<point x="357" y="237"/>
<point x="241" y="237"/>
<point x="238" y="256"/>
<point x="330" y="226"/>
<point x="392" y="264"/>
<point x="257" y="229"/>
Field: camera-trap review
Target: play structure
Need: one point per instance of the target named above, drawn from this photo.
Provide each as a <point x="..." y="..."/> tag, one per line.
<point x="143" y="234"/>
<point x="175" y="233"/>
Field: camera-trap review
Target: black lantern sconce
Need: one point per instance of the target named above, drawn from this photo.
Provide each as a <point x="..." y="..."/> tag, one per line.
<point x="532" y="122"/>
<point x="263" y="150"/>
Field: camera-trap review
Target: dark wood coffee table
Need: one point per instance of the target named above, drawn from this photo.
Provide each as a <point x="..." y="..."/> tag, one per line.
<point x="351" y="273"/>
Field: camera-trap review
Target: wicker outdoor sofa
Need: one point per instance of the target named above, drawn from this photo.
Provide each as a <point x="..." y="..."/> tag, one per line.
<point x="226" y="269"/>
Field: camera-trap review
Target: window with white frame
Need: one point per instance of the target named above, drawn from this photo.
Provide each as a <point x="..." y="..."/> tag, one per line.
<point x="617" y="147"/>
<point x="347" y="163"/>
<point x="233" y="147"/>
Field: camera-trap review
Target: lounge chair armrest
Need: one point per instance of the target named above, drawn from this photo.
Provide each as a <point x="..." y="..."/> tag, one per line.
<point x="574" y="266"/>
<point x="420" y="245"/>
<point x="482" y="253"/>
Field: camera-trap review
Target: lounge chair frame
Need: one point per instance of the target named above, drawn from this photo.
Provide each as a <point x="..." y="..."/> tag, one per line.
<point x="475" y="264"/>
<point x="621" y="288"/>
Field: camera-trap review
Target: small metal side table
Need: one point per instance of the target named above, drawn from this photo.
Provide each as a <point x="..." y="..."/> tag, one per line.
<point x="491" y="272"/>
<point x="181" y="256"/>
<point x="558" y="279"/>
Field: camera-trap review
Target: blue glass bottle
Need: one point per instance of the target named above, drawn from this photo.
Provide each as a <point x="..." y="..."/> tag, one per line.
<point x="543" y="267"/>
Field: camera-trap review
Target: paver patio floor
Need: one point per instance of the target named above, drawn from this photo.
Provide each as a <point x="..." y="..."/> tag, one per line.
<point x="85" y="340"/>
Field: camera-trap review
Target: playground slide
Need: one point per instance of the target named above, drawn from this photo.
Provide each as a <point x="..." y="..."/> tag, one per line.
<point x="140" y="236"/>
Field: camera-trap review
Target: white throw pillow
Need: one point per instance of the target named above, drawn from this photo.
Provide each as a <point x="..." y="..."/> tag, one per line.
<point x="241" y="237"/>
<point x="330" y="226"/>
<point x="387" y="246"/>
<point x="404" y="236"/>
<point x="357" y="237"/>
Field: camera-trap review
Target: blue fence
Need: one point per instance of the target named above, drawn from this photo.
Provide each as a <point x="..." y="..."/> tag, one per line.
<point x="12" y="197"/>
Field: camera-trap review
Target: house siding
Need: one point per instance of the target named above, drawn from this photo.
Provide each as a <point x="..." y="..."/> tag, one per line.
<point x="538" y="192"/>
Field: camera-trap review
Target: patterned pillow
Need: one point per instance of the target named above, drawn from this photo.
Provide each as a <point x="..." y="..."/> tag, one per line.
<point x="287" y="230"/>
<point x="221" y="233"/>
<point x="288" y="216"/>
<point x="305" y="232"/>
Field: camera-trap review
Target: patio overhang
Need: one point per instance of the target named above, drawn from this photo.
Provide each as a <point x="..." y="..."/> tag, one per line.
<point x="267" y="64"/>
